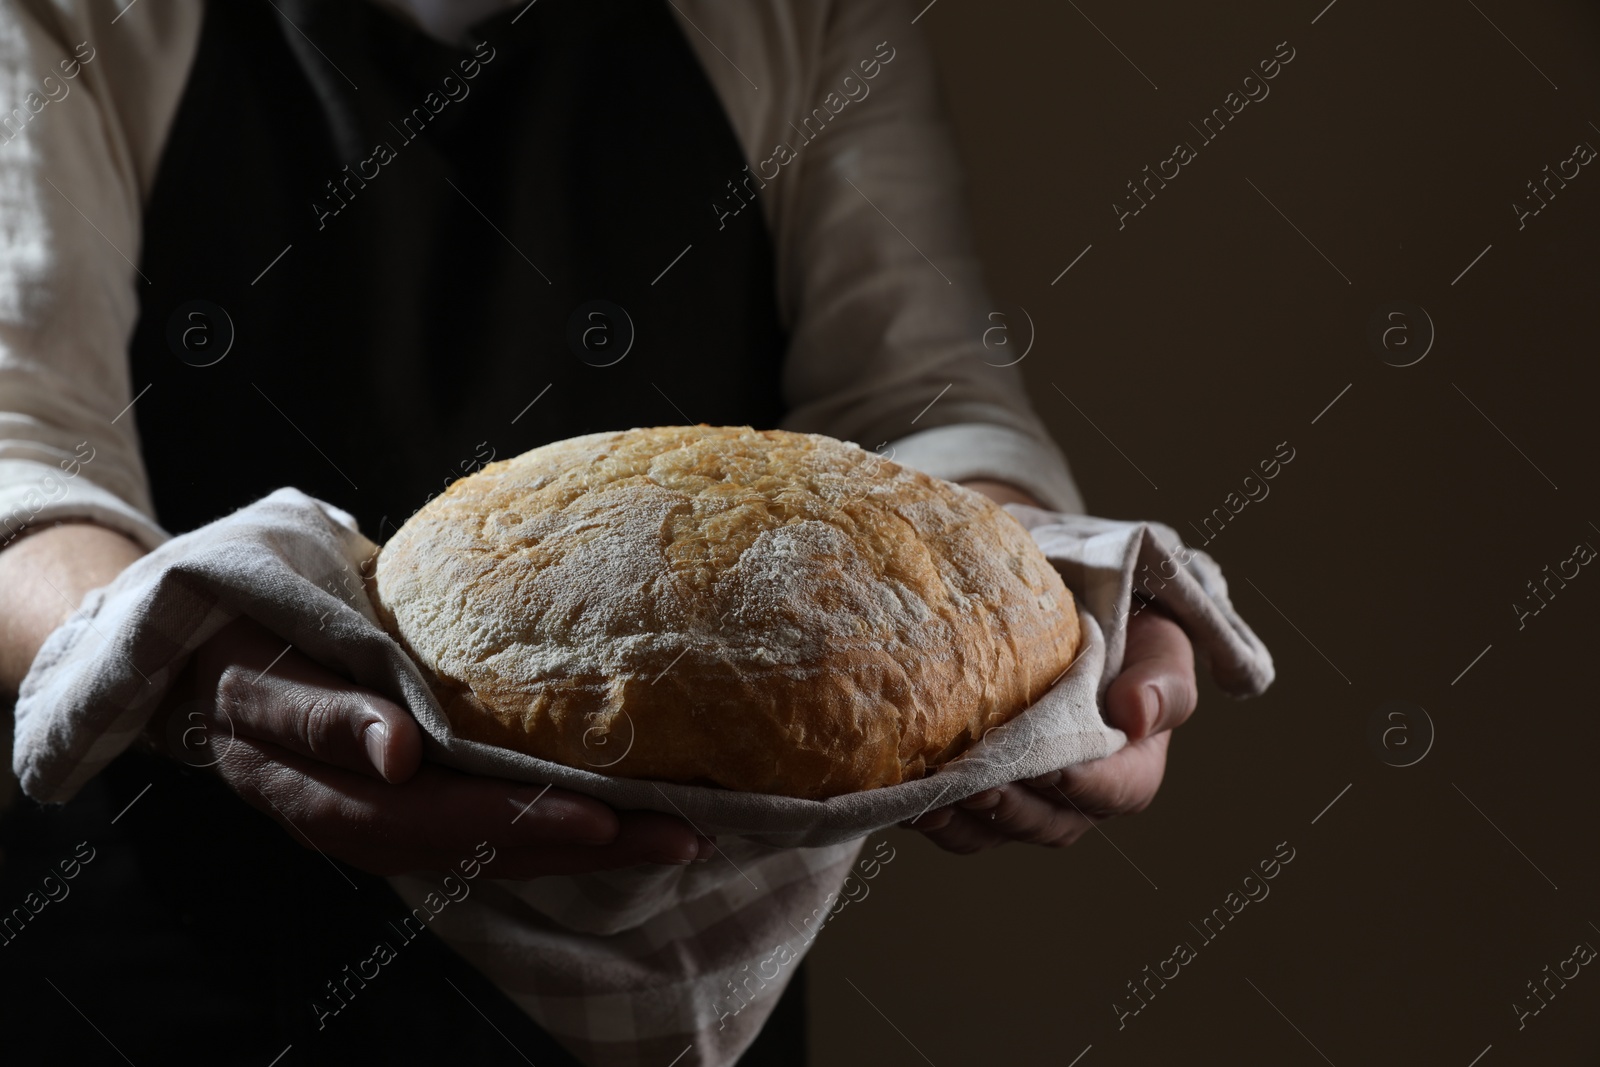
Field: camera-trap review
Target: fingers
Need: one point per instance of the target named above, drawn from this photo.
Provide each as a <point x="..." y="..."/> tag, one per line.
<point x="963" y="834"/>
<point x="1053" y="809"/>
<point x="655" y="837"/>
<point x="340" y="767"/>
<point x="440" y="816"/>
<point x="1155" y="692"/>
<point x="996" y="816"/>
<point x="308" y="710"/>
<point x="438" y="809"/>
<point x="1020" y="814"/>
<point x="1156" y="689"/>
<point x="268" y="690"/>
<point x="1123" y="783"/>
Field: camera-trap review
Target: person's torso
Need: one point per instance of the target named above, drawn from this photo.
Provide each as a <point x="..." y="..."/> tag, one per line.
<point x="373" y="262"/>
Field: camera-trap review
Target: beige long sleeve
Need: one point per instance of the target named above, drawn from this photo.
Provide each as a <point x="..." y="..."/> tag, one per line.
<point x="85" y="103"/>
<point x="878" y="281"/>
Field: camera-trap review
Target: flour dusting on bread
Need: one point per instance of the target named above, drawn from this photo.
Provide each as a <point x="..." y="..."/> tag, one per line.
<point x="770" y="611"/>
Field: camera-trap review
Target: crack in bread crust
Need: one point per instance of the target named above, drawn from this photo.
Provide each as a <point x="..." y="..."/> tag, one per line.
<point x="760" y="610"/>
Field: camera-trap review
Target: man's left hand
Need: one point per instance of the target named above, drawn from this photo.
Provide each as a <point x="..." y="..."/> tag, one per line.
<point x="1155" y="692"/>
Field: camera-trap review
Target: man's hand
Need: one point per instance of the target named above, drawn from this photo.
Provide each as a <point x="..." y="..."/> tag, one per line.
<point x="1155" y="692"/>
<point x="340" y="768"/>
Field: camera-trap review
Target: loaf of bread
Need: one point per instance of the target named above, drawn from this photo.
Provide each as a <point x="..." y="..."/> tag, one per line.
<point x="758" y="610"/>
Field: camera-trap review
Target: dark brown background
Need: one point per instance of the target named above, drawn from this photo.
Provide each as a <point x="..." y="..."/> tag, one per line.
<point x="1196" y="339"/>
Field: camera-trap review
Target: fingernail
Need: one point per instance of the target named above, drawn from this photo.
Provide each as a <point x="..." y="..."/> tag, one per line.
<point x="376" y="738"/>
<point x="1152" y="708"/>
<point x="982" y="801"/>
<point x="707" y="848"/>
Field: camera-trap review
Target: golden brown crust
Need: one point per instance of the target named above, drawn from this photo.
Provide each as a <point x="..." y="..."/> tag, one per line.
<point x="761" y="610"/>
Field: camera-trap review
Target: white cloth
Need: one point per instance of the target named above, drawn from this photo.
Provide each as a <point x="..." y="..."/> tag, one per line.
<point x="885" y="313"/>
<point x="627" y="967"/>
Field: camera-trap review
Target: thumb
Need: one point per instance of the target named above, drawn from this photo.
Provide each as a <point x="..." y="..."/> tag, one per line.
<point x="1156" y="689"/>
<point x="302" y="706"/>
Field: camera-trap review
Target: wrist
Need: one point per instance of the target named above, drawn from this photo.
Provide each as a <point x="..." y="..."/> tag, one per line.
<point x="43" y="579"/>
<point x="1002" y="492"/>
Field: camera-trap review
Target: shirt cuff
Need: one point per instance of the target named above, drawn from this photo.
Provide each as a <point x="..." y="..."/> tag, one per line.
<point x="970" y="450"/>
<point x="37" y="494"/>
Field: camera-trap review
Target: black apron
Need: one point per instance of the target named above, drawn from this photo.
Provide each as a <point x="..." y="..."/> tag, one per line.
<point x="373" y="262"/>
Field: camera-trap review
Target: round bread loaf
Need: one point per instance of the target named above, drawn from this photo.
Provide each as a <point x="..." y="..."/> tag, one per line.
<point x="760" y="610"/>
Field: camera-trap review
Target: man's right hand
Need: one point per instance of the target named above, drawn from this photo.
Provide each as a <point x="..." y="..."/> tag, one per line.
<point x="340" y="768"/>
